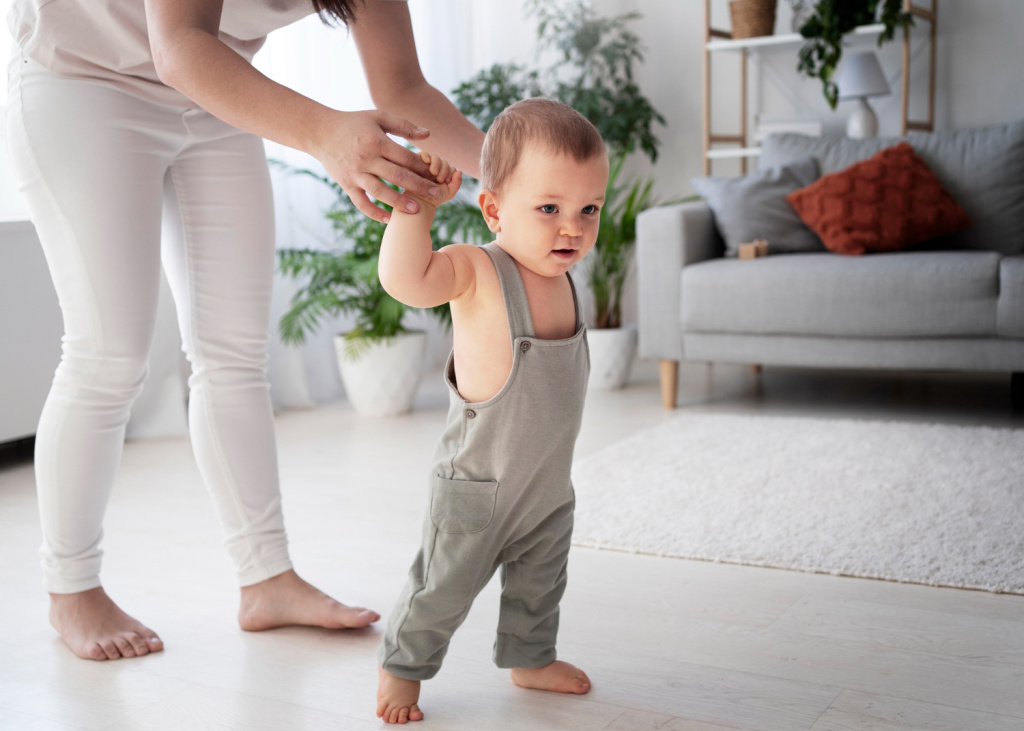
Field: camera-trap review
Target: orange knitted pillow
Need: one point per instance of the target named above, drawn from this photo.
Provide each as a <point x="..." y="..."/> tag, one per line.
<point x="886" y="203"/>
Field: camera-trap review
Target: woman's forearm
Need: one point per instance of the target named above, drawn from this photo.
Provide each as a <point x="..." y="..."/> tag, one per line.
<point x="452" y="136"/>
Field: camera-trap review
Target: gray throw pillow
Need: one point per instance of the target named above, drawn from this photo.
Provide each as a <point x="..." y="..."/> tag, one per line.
<point x="754" y="207"/>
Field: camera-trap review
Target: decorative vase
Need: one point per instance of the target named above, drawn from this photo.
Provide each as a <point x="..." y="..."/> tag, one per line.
<point x="611" y="356"/>
<point x="382" y="377"/>
<point x="752" y="18"/>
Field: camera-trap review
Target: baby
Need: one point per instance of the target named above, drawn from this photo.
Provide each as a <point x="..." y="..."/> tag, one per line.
<point x="500" y="494"/>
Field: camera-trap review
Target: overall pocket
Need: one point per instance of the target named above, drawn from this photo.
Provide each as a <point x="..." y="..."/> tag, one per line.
<point x="462" y="506"/>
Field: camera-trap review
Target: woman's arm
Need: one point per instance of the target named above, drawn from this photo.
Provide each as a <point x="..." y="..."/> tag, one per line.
<point x="352" y="146"/>
<point x="384" y="37"/>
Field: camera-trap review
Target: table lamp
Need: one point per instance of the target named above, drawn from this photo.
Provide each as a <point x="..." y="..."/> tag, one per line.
<point x="860" y="77"/>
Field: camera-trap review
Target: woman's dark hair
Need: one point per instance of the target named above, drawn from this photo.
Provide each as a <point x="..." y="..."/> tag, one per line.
<point x="341" y="11"/>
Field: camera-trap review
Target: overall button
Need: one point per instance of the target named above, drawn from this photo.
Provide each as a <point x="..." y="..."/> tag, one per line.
<point x="470" y="414"/>
<point x="524" y="346"/>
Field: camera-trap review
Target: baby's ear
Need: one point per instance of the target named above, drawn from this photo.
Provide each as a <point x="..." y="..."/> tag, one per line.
<point x="488" y="201"/>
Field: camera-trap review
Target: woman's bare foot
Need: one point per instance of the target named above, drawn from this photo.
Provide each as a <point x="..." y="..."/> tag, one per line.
<point x="286" y="599"/>
<point x="96" y="629"/>
<point x="396" y="698"/>
<point x="560" y="677"/>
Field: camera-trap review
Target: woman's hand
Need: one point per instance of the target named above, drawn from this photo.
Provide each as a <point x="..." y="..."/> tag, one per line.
<point x="358" y="154"/>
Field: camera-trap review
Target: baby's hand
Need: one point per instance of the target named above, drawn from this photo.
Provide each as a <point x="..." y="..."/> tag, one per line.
<point x="448" y="178"/>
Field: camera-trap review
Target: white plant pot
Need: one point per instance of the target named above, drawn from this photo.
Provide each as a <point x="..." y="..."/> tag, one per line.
<point x="383" y="378"/>
<point x="611" y="356"/>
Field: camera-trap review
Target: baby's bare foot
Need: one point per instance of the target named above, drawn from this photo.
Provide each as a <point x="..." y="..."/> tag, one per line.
<point x="286" y="599"/>
<point x="396" y="698"/>
<point x="96" y="629"/>
<point x="560" y="677"/>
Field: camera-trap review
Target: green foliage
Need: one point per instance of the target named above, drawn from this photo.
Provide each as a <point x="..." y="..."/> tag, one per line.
<point x="344" y="279"/>
<point x="596" y="77"/>
<point x="833" y="19"/>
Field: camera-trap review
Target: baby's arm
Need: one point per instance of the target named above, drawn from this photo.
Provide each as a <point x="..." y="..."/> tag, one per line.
<point x="409" y="269"/>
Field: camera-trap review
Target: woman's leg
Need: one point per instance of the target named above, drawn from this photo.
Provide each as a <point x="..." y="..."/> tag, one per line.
<point x="220" y="264"/>
<point x="90" y="161"/>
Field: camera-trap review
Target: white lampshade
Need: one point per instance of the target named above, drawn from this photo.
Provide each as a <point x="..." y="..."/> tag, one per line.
<point x="861" y="76"/>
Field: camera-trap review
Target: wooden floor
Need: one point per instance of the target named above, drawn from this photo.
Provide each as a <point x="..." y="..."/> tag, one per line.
<point x="669" y="644"/>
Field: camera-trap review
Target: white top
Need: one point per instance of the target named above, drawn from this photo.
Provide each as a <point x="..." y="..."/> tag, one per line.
<point x="108" y="39"/>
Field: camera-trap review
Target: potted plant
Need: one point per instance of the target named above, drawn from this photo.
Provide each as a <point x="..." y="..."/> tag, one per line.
<point x="596" y="78"/>
<point x="829" y="21"/>
<point x="379" y="359"/>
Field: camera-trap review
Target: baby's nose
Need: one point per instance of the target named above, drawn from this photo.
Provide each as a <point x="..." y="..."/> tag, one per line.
<point x="572" y="228"/>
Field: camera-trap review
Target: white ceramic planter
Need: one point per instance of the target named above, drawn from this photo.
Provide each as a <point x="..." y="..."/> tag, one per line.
<point x="383" y="379"/>
<point x="611" y="356"/>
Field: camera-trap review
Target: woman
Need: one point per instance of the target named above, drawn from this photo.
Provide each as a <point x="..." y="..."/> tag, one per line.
<point x="124" y="111"/>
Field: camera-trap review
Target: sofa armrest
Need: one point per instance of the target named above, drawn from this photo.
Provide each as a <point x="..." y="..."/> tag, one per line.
<point x="667" y="239"/>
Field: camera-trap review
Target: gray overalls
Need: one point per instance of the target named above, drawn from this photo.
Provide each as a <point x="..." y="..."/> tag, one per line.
<point x="500" y="495"/>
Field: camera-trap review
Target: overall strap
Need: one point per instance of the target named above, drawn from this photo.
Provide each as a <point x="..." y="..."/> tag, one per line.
<point x="575" y="303"/>
<point x="520" y="324"/>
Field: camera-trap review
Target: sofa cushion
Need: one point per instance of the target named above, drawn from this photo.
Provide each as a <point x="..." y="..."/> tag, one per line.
<point x="889" y="202"/>
<point x="754" y="207"/>
<point x="919" y="294"/>
<point x="982" y="168"/>
<point x="1010" y="321"/>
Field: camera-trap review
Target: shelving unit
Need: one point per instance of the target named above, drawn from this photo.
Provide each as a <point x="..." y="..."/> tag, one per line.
<point x="717" y="40"/>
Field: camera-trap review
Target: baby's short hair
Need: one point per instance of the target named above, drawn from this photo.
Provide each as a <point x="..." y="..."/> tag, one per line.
<point x="553" y="124"/>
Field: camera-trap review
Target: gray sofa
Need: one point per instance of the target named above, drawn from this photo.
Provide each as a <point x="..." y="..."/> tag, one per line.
<point x="956" y="304"/>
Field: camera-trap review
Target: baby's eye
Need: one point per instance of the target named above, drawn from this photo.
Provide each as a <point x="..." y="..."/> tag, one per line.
<point x="590" y="210"/>
<point x="549" y="208"/>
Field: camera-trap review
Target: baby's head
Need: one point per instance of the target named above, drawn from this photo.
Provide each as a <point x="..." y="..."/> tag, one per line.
<point x="544" y="172"/>
<point x="538" y="122"/>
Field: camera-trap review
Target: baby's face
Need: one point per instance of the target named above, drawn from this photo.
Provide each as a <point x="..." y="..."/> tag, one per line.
<point x="549" y="209"/>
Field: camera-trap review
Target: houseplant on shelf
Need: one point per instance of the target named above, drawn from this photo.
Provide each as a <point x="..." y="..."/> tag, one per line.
<point x="826" y="25"/>
<point x="379" y="359"/>
<point x="595" y="76"/>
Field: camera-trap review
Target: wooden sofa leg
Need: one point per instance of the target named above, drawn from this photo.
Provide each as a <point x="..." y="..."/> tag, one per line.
<point x="669" y="382"/>
<point x="1017" y="392"/>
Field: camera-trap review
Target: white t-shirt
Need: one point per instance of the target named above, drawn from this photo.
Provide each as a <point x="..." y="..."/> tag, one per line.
<point x="108" y="39"/>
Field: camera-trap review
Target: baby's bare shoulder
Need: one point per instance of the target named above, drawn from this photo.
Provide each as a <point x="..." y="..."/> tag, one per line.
<point x="474" y="269"/>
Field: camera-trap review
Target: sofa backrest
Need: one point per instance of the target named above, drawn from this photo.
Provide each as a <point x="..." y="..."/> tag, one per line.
<point x="982" y="168"/>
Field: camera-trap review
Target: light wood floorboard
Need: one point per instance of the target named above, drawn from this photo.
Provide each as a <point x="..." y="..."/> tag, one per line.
<point x="670" y="644"/>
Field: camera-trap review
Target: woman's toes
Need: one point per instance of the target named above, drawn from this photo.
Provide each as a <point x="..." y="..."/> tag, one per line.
<point x="96" y="652"/>
<point x="110" y="650"/>
<point x="138" y="644"/>
<point x="124" y="647"/>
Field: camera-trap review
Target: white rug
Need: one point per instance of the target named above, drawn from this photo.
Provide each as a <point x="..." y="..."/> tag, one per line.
<point x="919" y="503"/>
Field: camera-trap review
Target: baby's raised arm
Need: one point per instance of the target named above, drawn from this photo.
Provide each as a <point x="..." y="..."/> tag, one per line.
<point x="409" y="269"/>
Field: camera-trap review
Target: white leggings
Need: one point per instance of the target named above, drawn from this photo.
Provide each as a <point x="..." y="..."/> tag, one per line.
<point x="100" y="167"/>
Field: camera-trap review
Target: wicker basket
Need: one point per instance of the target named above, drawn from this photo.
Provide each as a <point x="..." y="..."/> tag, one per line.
<point x="752" y="18"/>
